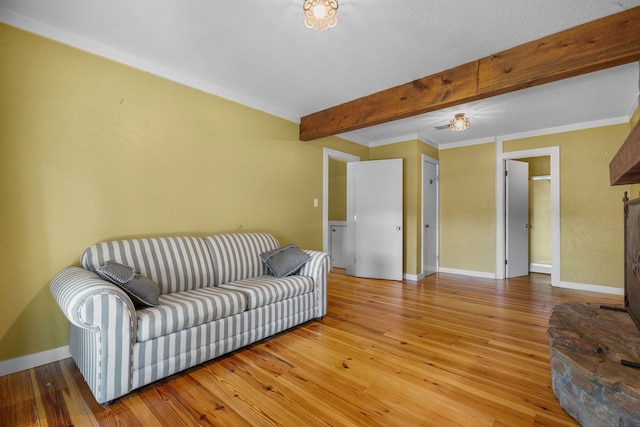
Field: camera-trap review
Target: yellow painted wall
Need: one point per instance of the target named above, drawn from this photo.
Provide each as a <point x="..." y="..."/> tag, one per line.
<point x="337" y="190"/>
<point x="591" y="223"/>
<point x="92" y="150"/>
<point x="635" y="118"/>
<point x="539" y="211"/>
<point x="467" y="208"/>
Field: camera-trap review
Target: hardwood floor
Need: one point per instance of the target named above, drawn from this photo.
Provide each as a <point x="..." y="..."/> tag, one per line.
<point x="446" y="351"/>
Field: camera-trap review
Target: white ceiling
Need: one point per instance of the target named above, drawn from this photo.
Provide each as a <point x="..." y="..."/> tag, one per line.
<point x="259" y="53"/>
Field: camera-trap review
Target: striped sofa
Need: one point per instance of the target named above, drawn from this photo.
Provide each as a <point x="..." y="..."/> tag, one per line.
<point x="215" y="296"/>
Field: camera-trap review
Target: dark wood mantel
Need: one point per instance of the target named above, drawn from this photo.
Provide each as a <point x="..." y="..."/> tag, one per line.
<point x="625" y="165"/>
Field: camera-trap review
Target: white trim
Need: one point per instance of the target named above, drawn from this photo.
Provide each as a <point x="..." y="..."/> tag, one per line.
<point x="568" y="128"/>
<point x="412" y="277"/>
<point x="481" y="274"/>
<point x="540" y="268"/>
<point x="105" y="51"/>
<point x="470" y="142"/>
<point x="591" y="288"/>
<point x="435" y="162"/>
<point x="426" y="141"/>
<point x="393" y="140"/>
<point x="486" y="140"/>
<point x="326" y="154"/>
<point x="29" y="361"/>
<point x="387" y="141"/>
<point x="554" y="154"/>
<point x="338" y="223"/>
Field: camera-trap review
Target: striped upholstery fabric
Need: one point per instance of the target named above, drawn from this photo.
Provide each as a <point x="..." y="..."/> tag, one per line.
<point x="264" y="290"/>
<point x="175" y="263"/>
<point x="168" y="354"/>
<point x="118" y="349"/>
<point x="318" y="269"/>
<point x="181" y="310"/>
<point x="237" y="256"/>
<point x="102" y="330"/>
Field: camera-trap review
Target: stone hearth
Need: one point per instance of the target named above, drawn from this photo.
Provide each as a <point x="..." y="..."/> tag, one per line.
<point x="587" y="344"/>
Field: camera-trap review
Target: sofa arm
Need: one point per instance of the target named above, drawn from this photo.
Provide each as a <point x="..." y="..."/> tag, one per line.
<point x="318" y="268"/>
<point x="103" y="330"/>
<point x="84" y="297"/>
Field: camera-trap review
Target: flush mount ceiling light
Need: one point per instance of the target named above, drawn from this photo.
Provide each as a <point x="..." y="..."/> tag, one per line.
<point x="459" y="122"/>
<point x="320" y="14"/>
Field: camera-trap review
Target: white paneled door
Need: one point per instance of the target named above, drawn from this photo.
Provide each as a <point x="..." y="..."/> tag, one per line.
<point x="374" y="219"/>
<point x="517" y="218"/>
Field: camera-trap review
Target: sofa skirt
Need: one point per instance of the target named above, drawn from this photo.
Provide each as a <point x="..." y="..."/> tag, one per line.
<point x="169" y="354"/>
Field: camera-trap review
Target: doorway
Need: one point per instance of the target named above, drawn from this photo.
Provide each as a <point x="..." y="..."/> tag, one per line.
<point x="430" y="214"/>
<point x="328" y="154"/>
<point x="374" y="238"/>
<point x="553" y="153"/>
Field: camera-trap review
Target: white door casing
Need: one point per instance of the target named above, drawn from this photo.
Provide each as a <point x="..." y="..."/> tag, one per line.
<point x="517" y="218"/>
<point x="554" y="155"/>
<point x="374" y="219"/>
<point x="328" y="153"/>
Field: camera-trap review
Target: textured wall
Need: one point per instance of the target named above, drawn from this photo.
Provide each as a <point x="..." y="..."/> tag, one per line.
<point x="337" y="190"/>
<point x="468" y="208"/>
<point x="93" y="150"/>
<point x="539" y="211"/>
<point x="591" y="223"/>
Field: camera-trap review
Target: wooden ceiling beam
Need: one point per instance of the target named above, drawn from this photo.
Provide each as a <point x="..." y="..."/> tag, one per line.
<point x="607" y="42"/>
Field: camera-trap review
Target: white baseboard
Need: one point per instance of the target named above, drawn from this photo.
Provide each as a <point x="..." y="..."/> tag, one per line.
<point x="481" y="274"/>
<point x="590" y="288"/>
<point x="540" y="268"/>
<point x="413" y="277"/>
<point x="29" y="361"/>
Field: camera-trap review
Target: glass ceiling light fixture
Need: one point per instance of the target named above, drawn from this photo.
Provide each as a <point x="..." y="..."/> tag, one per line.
<point x="459" y="122"/>
<point x="320" y="14"/>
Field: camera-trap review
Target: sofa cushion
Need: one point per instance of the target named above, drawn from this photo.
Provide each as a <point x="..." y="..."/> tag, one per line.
<point x="182" y="310"/>
<point x="176" y="264"/>
<point x="142" y="291"/>
<point x="264" y="290"/>
<point x="237" y="256"/>
<point x="285" y="260"/>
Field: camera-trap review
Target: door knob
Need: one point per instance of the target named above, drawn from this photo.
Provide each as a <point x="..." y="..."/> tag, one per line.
<point x="426" y="226"/>
<point x="398" y="228"/>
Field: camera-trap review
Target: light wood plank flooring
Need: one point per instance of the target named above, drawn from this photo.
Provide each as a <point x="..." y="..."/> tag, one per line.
<point x="446" y="351"/>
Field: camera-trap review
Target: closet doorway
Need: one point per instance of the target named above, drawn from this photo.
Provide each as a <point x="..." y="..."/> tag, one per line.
<point x="544" y="211"/>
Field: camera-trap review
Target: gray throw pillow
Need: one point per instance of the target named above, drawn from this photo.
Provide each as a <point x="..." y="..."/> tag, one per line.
<point x="144" y="292"/>
<point x="285" y="260"/>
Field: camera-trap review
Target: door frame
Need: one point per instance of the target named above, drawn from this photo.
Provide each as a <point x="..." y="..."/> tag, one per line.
<point x="554" y="159"/>
<point x="435" y="162"/>
<point x="328" y="153"/>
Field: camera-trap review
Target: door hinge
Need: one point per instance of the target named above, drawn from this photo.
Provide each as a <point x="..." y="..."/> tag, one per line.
<point x="505" y="262"/>
<point x="506" y="173"/>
